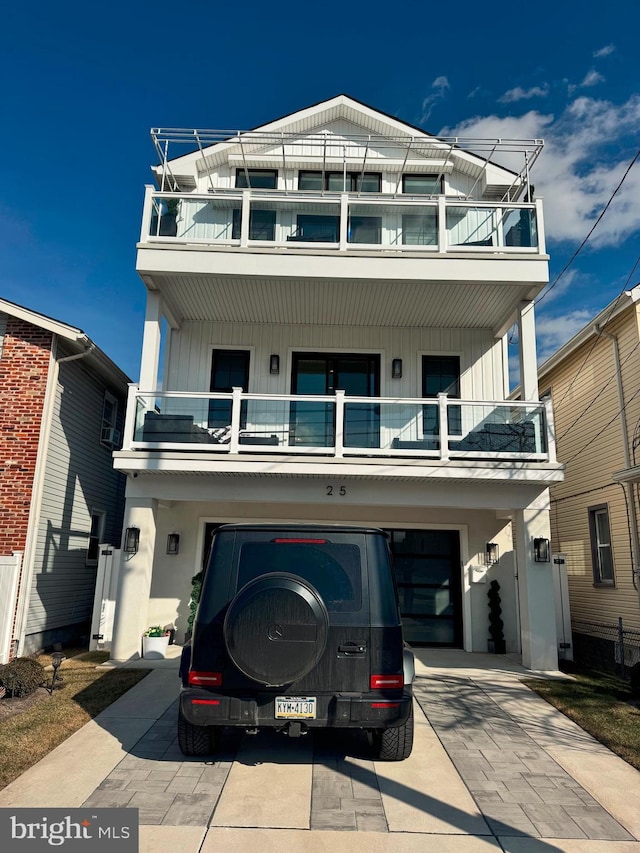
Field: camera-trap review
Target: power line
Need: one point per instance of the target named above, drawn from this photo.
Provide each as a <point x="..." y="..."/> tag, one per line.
<point x="606" y="426"/>
<point x="591" y="230"/>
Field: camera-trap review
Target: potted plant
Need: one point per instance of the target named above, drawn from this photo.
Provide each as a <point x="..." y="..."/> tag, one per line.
<point x="496" y="641"/>
<point x="155" y="641"/>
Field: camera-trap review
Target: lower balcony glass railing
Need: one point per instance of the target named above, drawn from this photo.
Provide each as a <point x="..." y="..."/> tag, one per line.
<point x="339" y="425"/>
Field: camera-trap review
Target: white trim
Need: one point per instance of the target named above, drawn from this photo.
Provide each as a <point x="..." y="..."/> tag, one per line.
<point x="235" y="348"/>
<point x="71" y="333"/>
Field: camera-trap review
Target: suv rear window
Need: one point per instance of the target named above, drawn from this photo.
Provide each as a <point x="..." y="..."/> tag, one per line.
<point x="333" y="568"/>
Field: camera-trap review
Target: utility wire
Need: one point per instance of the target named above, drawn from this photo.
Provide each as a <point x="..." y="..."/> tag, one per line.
<point x="591" y="230"/>
<point x="606" y="426"/>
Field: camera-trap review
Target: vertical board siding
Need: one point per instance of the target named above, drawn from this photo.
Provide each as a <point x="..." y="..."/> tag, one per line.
<point x="590" y="442"/>
<point x="189" y="366"/>
<point x="79" y="478"/>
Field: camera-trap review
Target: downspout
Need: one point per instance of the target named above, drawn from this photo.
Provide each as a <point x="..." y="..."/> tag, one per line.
<point x="633" y="520"/>
<point x="38" y="486"/>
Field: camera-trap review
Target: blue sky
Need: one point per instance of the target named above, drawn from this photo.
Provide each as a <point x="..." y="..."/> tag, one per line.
<point x="84" y="83"/>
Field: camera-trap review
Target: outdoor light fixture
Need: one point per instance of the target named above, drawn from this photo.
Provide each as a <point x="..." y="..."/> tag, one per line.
<point x="396" y="368"/>
<point x="131" y="540"/>
<point x="173" y="543"/>
<point x="274" y="364"/>
<point x="492" y="553"/>
<point x="56" y="660"/>
<point x="541" y="552"/>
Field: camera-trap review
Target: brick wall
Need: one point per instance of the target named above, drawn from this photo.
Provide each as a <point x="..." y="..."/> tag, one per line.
<point x="23" y="379"/>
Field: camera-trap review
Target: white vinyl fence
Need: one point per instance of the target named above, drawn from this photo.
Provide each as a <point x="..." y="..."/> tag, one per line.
<point x="9" y="574"/>
<point x="105" y="598"/>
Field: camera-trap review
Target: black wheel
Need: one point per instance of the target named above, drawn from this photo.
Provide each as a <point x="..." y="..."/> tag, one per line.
<point x="195" y="740"/>
<point x="394" y="744"/>
<point x="276" y="629"/>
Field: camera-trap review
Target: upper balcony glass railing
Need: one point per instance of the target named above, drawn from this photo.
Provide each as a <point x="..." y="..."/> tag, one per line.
<point x="343" y="222"/>
<point x="338" y="425"/>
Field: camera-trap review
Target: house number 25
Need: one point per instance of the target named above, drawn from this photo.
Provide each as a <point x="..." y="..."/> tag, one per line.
<point x="334" y="491"/>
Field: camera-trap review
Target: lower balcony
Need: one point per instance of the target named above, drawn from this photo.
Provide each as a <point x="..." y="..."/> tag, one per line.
<point x="338" y="426"/>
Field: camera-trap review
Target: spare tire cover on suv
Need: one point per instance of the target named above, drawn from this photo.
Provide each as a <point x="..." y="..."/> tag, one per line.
<point x="275" y="629"/>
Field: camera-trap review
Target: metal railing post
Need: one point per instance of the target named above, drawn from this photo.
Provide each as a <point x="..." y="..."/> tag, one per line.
<point x="236" y="406"/>
<point x="130" y="417"/>
<point x="444" y="427"/>
<point x="551" y="430"/>
<point x="442" y="224"/>
<point x="339" y="436"/>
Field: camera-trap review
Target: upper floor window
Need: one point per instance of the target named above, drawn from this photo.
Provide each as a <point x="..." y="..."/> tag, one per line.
<point x="229" y="370"/>
<point x="601" y="552"/>
<point x="109" y="435"/>
<point x="422" y="184"/>
<point x="261" y="179"/>
<point x="262" y="224"/>
<point x="351" y="182"/>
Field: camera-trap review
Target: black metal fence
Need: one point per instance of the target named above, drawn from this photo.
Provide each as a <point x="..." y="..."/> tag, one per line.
<point x="606" y="647"/>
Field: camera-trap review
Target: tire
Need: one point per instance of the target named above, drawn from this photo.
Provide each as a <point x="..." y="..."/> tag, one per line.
<point x="276" y="629"/>
<point x="394" y="744"/>
<point x="195" y="740"/>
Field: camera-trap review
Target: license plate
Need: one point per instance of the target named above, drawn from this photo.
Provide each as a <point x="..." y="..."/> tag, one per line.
<point x="295" y="707"/>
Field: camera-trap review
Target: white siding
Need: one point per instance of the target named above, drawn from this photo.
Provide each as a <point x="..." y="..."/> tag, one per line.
<point x="189" y="354"/>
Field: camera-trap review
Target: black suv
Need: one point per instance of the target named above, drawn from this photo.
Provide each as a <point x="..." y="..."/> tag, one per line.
<point x="297" y="627"/>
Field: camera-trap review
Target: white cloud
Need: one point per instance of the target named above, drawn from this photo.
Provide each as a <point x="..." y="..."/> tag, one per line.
<point x="607" y="50"/>
<point x="440" y="85"/>
<point x="553" y="332"/>
<point x="520" y="94"/>
<point x="592" y="78"/>
<point x="587" y="149"/>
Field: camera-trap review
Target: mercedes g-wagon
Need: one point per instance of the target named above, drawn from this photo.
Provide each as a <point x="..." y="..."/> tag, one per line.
<point x="298" y="627"/>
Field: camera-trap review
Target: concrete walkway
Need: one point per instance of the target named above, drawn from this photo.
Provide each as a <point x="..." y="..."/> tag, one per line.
<point x="493" y="768"/>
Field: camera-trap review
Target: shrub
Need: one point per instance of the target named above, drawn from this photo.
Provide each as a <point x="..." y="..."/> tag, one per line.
<point x="22" y="676"/>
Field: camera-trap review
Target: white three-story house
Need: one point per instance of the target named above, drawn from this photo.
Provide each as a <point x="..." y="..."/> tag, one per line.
<point x="328" y="303"/>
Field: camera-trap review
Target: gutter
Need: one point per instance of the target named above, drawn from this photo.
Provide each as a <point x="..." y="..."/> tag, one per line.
<point x="628" y="487"/>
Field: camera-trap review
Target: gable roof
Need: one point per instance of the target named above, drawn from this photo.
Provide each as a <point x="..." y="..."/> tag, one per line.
<point x="216" y="146"/>
<point x="77" y="339"/>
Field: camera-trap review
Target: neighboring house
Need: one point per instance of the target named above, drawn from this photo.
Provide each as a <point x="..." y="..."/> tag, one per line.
<point x="62" y="405"/>
<point x="332" y="292"/>
<point x="594" y="383"/>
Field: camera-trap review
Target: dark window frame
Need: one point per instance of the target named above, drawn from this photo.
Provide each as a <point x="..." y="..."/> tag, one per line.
<point x="96" y="534"/>
<point x="454" y="412"/>
<point x="217" y="407"/>
<point x="353" y="181"/>
<point x="596" y="562"/>
<point x="242" y="175"/>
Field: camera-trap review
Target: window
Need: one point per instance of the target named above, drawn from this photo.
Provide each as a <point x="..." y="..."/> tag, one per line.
<point x="316" y="228"/>
<point x="421" y="184"/>
<point x="109" y="435"/>
<point x="420" y="229"/>
<point x="261" y="179"/>
<point x="601" y="552"/>
<point x="262" y="224"/>
<point x="229" y="369"/>
<point x="365" y="229"/>
<point x="352" y="182"/>
<point x="441" y="374"/>
<point x="96" y="533"/>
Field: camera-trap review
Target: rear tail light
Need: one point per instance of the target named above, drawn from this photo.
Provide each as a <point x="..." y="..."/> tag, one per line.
<point x="299" y="541"/>
<point x="205" y="701"/>
<point x="385" y="704"/>
<point x="205" y="679"/>
<point x="387" y="682"/>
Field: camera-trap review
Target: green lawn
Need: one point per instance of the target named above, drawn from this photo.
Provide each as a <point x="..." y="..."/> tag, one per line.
<point x="31" y="727"/>
<point x="600" y="704"/>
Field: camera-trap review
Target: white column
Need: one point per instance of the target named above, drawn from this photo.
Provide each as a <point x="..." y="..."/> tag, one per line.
<point x="134" y="581"/>
<point x="528" y="356"/>
<point x="151" y="342"/>
<point x="536" y="589"/>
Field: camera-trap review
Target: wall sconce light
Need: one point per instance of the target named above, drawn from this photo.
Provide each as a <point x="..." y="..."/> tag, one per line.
<point x="492" y="554"/>
<point x="173" y="543"/>
<point x="396" y="368"/>
<point x="132" y="540"/>
<point x="541" y="551"/>
<point x="274" y="364"/>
